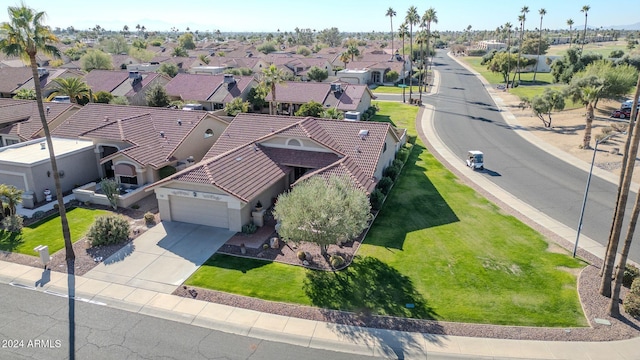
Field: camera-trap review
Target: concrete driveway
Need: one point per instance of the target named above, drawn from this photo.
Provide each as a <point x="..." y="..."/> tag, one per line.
<point x="163" y="257"/>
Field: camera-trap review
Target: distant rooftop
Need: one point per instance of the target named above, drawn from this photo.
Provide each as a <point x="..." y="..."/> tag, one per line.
<point x="32" y="152"/>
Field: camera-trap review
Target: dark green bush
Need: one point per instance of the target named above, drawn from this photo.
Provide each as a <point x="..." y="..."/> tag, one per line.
<point x="38" y="214"/>
<point x="13" y="223"/>
<point x="385" y="185"/>
<point x="630" y="274"/>
<point x="250" y="228"/>
<point x="166" y="171"/>
<point x="403" y="154"/>
<point x="392" y="172"/>
<point x="397" y="163"/>
<point x="376" y="199"/>
<point x="411" y="139"/>
<point x="476" y="52"/>
<point x="107" y="230"/>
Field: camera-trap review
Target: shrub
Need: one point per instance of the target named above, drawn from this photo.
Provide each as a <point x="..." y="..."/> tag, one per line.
<point x="376" y="198"/>
<point x="301" y="255"/>
<point x="632" y="301"/>
<point x="38" y="214"/>
<point x="107" y="230"/>
<point x="411" y="139"/>
<point x="391" y="172"/>
<point x="250" y="228"/>
<point x="476" y="52"/>
<point x="397" y="163"/>
<point x="630" y="274"/>
<point x="135" y="206"/>
<point x="265" y="246"/>
<point x="13" y="223"/>
<point x="336" y="261"/>
<point x="403" y="154"/>
<point x="149" y="217"/>
<point x="385" y="185"/>
<point x="166" y="171"/>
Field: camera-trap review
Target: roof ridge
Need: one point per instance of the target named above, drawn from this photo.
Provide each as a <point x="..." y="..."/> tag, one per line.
<point x="115" y="121"/>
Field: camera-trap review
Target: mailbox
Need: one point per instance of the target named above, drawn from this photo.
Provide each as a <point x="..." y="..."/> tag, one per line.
<point x="43" y="250"/>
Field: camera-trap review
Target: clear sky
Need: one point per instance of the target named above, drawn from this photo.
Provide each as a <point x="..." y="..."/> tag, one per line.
<point x="346" y="15"/>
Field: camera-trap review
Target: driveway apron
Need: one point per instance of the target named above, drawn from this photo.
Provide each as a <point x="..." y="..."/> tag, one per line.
<point x="163" y="257"/>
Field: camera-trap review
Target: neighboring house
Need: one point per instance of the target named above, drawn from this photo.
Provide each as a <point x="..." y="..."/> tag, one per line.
<point x="133" y="143"/>
<point x="20" y="119"/>
<point x="260" y="156"/>
<point x="130" y="84"/>
<point x="212" y="91"/>
<point x="374" y="66"/>
<point x="344" y="97"/>
<point x="12" y="78"/>
<point x="46" y="80"/>
<point x="27" y="166"/>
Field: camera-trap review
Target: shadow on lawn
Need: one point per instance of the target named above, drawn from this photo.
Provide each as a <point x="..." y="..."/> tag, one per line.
<point x="235" y="263"/>
<point x="413" y="204"/>
<point x="9" y="240"/>
<point x="367" y="288"/>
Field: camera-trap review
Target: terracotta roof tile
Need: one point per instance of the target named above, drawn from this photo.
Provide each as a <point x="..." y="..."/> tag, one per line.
<point x="105" y="80"/>
<point x="24" y="114"/>
<point x="13" y="78"/>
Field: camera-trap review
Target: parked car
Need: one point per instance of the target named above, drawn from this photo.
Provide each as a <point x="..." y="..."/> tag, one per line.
<point x="627" y="105"/>
<point x="621" y="113"/>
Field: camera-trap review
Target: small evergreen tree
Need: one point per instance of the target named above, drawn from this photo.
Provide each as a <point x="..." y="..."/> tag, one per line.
<point x="157" y="96"/>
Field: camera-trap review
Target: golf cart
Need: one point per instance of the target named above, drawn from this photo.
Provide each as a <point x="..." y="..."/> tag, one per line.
<point x="475" y="160"/>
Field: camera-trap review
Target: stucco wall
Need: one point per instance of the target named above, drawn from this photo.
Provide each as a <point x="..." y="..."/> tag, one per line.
<point x="386" y="157"/>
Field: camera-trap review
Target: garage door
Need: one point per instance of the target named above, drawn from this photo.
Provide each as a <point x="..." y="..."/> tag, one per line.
<point x="198" y="211"/>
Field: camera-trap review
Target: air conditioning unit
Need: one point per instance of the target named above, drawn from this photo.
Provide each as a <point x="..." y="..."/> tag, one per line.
<point x="336" y="87"/>
<point x="42" y="72"/>
<point x="352" y="115"/>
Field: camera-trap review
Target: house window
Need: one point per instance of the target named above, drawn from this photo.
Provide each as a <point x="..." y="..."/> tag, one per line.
<point x="133" y="180"/>
<point x="11" y="141"/>
<point x="208" y="133"/>
<point x="294" y="142"/>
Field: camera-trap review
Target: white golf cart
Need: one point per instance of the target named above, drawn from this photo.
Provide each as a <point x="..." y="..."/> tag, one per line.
<point x="475" y="160"/>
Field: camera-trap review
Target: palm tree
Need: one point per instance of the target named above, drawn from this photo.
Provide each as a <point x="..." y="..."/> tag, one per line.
<point x="542" y="13"/>
<point x="507" y="27"/>
<point x="344" y="57"/>
<point x="24" y="36"/>
<point x="421" y="38"/>
<point x="570" y="23"/>
<point x="391" y="13"/>
<point x="614" y="304"/>
<point x="585" y="10"/>
<point x="428" y="18"/>
<point x="271" y="77"/>
<point x="411" y="18"/>
<point x="522" y="18"/>
<point x="73" y="87"/>
<point x="12" y="196"/>
<point x="353" y="50"/>
<point x="402" y="33"/>
<point x="628" y="164"/>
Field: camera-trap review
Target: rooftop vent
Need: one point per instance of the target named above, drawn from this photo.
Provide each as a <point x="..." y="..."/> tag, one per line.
<point x="228" y="79"/>
<point x="42" y="72"/>
<point x="179" y="122"/>
<point x="161" y="134"/>
<point x="336" y="88"/>
<point x="363" y="134"/>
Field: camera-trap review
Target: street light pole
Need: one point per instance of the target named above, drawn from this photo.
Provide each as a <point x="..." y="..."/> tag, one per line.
<point x="586" y="190"/>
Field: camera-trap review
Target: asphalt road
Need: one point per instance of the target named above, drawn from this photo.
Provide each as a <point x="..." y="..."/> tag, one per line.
<point x="467" y="119"/>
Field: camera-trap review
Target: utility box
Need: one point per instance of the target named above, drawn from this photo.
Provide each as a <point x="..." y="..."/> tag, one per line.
<point x="28" y="201"/>
<point x="258" y="217"/>
<point x="43" y="250"/>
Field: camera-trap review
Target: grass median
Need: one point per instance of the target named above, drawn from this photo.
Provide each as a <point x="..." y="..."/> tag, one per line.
<point x="437" y="250"/>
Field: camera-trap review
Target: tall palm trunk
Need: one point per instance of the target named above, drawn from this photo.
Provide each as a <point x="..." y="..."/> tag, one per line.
<point x="404" y="76"/>
<point x="68" y="245"/>
<point x="411" y="63"/>
<point x="426" y="68"/>
<point x="422" y="68"/>
<point x="629" y="161"/>
<point x="535" y="69"/>
<point x="586" y="142"/>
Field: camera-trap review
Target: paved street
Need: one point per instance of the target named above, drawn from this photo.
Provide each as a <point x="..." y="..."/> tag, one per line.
<point x="466" y="118"/>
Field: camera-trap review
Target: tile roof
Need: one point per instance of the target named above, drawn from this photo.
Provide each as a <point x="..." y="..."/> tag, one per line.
<point x="297" y="92"/>
<point x="140" y="126"/>
<point x="105" y="80"/>
<point x="201" y="87"/>
<point x="22" y="117"/>
<point x="244" y="164"/>
<point x="13" y="78"/>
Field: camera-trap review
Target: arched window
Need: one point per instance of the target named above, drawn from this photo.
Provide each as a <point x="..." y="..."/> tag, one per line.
<point x="294" y="142"/>
<point x="208" y="133"/>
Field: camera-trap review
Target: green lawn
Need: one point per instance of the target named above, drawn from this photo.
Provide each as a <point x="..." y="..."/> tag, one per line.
<point x="496" y="78"/>
<point x="436" y="246"/>
<point x="393" y="90"/>
<point x="398" y="114"/>
<point x="531" y="91"/>
<point x="48" y="231"/>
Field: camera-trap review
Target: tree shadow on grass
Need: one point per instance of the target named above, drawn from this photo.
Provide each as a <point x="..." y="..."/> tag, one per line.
<point x="383" y="119"/>
<point x="372" y="296"/>
<point x="9" y="240"/>
<point x="413" y="204"/>
<point x="242" y="264"/>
